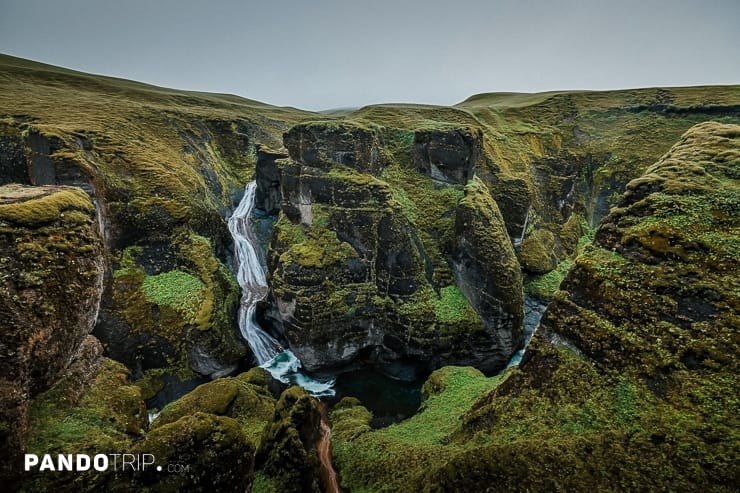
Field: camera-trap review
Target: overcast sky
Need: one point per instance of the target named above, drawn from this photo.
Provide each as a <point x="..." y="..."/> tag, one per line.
<point x="320" y="54"/>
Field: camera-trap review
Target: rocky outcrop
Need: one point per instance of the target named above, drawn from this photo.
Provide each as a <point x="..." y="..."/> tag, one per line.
<point x="52" y="270"/>
<point x="287" y="457"/>
<point x="227" y="466"/>
<point x="448" y="156"/>
<point x="268" y="195"/>
<point x="323" y="145"/>
<point x="488" y="273"/>
<point x="66" y="419"/>
<point x="245" y="398"/>
<point x="172" y="305"/>
<point x="351" y="275"/>
<point x="657" y="273"/>
<point x="13" y="167"/>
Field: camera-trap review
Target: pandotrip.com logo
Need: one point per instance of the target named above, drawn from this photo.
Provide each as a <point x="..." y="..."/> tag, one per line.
<point x="98" y="462"/>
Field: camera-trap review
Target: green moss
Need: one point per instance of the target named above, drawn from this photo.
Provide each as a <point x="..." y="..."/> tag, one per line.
<point x="288" y="233"/>
<point x="107" y="416"/>
<point x="287" y="455"/>
<point x="250" y="404"/>
<point x="37" y="205"/>
<point x="428" y="208"/>
<point x="197" y="300"/>
<point x="544" y="286"/>
<point x="264" y="484"/>
<point x="214" y="447"/>
<point x="320" y="248"/>
<point x="152" y="382"/>
<point x="176" y="289"/>
<point x="393" y="458"/>
<point x="453" y="307"/>
<point x="221" y="291"/>
<point x="537" y="252"/>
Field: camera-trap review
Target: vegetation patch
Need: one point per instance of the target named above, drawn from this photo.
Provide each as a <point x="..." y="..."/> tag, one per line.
<point x="37" y="205"/>
<point x="394" y="458"/>
<point x="453" y="307"/>
<point x="176" y="289"/>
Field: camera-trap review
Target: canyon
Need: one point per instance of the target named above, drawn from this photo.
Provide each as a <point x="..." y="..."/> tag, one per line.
<point x="222" y="263"/>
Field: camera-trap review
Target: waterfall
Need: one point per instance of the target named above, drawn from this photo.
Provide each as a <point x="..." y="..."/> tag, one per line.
<point x="250" y="274"/>
<point x="251" y="277"/>
<point x="518" y="241"/>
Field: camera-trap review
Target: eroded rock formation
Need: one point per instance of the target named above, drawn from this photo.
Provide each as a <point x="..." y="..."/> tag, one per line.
<point x="351" y="279"/>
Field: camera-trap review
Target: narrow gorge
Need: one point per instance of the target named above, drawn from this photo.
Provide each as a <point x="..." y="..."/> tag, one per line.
<point x="214" y="282"/>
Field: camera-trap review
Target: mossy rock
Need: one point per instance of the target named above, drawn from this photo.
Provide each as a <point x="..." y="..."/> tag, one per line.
<point x="323" y="144"/>
<point x="216" y="452"/>
<point x="287" y="455"/>
<point x="538" y="253"/>
<point x="196" y="296"/>
<point x="104" y="415"/>
<point x="51" y="281"/>
<point x="488" y="272"/>
<point x="32" y="206"/>
<point x="251" y="405"/>
<point x="109" y="414"/>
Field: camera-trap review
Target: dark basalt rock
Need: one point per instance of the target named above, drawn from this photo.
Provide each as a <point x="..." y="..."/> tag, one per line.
<point x="268" y="197"/>
<point x="448" y="155"/>
<point x="13" y="167"/>
<point x="325" y="144"/>
<point x="351" y="282"/>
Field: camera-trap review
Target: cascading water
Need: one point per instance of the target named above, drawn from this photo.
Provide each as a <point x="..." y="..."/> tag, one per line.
<point x="250" y="274"/>
<point x="251" y="277"/>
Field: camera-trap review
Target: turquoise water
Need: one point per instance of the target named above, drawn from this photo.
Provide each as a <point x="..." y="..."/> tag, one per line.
<point x="286" y="367"/>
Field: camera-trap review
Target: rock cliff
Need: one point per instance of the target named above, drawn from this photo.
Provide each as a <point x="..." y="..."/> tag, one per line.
<point x="52" y="280"/>
<point x="353" y="281"/>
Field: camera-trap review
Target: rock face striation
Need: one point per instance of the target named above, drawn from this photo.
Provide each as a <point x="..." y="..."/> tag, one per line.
<point x="351" y="279"/>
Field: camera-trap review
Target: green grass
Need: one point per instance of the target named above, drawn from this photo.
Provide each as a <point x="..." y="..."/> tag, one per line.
<point x="389" y="459"/>
<point x="176" y="289"/>
<point x="453" y="307"/>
